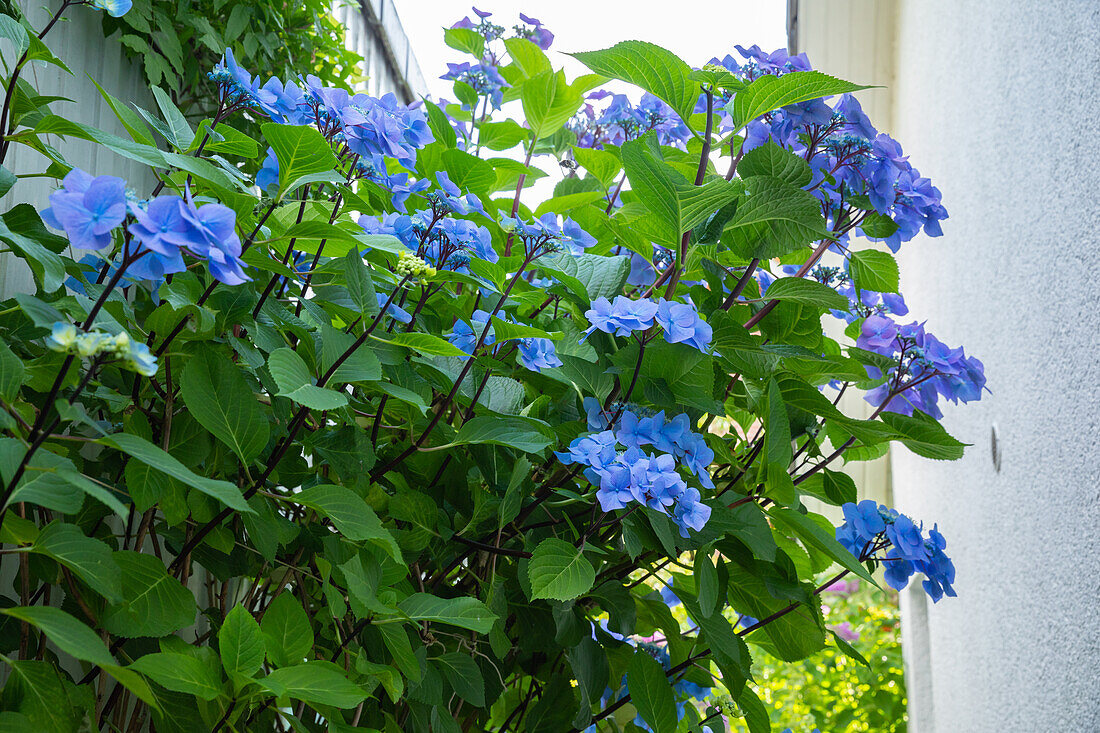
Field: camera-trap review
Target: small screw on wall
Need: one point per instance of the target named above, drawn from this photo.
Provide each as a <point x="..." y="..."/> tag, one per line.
<point x="995" y="445"/>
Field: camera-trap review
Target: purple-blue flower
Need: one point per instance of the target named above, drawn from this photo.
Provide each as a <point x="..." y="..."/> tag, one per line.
<point x="682" y="324"/>
<point x="537" y="354"/>
<point x="88" y="209"/>
<point x="465" y="337"/>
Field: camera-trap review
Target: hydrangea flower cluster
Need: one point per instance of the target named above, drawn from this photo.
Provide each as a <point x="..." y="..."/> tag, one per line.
<point x="114" y="8"/>
<point x="927" y="369"/>
<point x="134" y="355"/>
<point x="483" y="77"/>
<point x="569" y="234"/>
<point x="373" y="128"/>
<point x="847" y="155"/>
<point x="445" y="242"/>
<point x="534" y="354"/>
<point x="870" y="528"/>
<point x="633" y="475"/>
<point x="621" y="121"/>
<point x="89" y="210"/>
<point x="680" y="321"/>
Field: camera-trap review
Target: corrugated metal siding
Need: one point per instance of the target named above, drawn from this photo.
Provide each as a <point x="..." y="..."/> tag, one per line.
<point x="374" y="31"/>
<point x="78" y="41"/>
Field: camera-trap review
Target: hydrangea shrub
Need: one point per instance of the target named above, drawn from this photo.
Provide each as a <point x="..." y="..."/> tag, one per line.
<point x="336" y="428"/>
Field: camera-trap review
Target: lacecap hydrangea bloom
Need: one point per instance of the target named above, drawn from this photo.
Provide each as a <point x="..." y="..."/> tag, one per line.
<point x="624" y="472"/>
<point x="680" y="322"/>
<point x="90" y="209"/>
<point x="870" y="528"/>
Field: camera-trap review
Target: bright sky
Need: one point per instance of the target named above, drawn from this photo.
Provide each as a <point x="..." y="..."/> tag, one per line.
<point x="695" y="30"/>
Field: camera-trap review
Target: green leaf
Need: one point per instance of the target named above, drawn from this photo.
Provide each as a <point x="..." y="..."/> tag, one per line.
<point x="513" y="496"/>
<point x="286" y="630"/>
<point x="11" y="373"/>
<point x="771" y="160"/>
<point x="877" y="226"/>
<point x="465" y="677"/>
<point x="775" y="219"/>
<point x="589" y="276"/>
<point x="180" y="132"/>
<point x="769" y="92"/>
<point x="777" y="438"/>
<point x="94" y="489"/>
<point x="651" y="692"/>
<point x="359" y="283"/>
<point x="515" y="432"/>
<point x="147" y="154"/>
<point x="240" y="643"/>
<point x="154" y="604"/>
<point x="466" y="40"/>
<point x="677" y="204"/>
<point x="849" y="651"/>
<point x="874" y="270"/>
<point x="180" y="673"/>
<point x="817" y="537"/>
<point x="924" y="436"/>
<point x="297" y="383"/>
<point x="527" y="56"/>
<point x="423" y="343"/>
<point x="70" y="635"/>
<point x="11" y="29"/>
<point x="548" y="102"/>
<point x="48" y="268"/>
<point x="650" y="67"/>
<point x="316" y="683"/>
<point x="503" y="135"/>
<point x="154" y="457"/>
<point x="218" y="397"/>
<point x="605" y="166"/>
<point x="351" y="515"/>
<point x="464" y="612"/>
<point x="756" y="713"/>
<point x="559" y="571"/>
<point x="7" y="180"/>
<point x="706" y="580"/>
<point x="302" y="151"/>
<point x="441" y="126"/>
<point x="90" y="559"/>
<point x="35" y="690"/>
<point x="803" y="290"/>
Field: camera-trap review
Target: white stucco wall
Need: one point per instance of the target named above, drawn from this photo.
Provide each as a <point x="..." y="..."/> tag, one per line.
<point x="999" y="103"/>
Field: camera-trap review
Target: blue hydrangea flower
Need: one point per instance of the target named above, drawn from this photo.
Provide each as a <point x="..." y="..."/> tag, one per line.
<point x="690" y="512"/>
<point x="114" y="8"/>
<point x="465" y="337"/>
<point x="209" y="231"/>
<point x="622" y="317"/>
<point x="909" y="551"/>
<point x="682" y="324"/>
<point x="268" y="175"/>
<point x="88" y="209"/>
<point x="392" y="310"/>
<point x="537" y="354"/>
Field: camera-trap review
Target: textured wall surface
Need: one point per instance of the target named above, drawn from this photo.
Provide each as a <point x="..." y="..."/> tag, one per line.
<point x="998" y="102"/>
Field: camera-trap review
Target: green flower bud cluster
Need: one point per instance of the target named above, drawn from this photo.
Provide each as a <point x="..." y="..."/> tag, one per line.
<point x="68" y="339"/>
<point x="412" y="266"/>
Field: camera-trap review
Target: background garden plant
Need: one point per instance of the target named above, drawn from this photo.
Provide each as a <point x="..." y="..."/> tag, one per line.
<point x="336" y="428"/>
